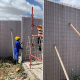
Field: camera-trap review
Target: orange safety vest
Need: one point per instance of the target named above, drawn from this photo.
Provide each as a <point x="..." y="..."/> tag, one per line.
<point x="40" y="30"/>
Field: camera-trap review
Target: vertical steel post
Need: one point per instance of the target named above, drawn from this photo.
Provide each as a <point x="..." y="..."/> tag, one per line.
<point x="31" y="37"/>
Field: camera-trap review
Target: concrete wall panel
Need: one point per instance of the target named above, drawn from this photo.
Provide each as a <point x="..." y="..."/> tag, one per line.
<point x="57" y="31"/>
<point x="26" y="31"/>
<point x="5" y="36"/>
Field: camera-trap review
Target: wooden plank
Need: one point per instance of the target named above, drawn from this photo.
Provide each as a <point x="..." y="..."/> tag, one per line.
<point x="37" y="35"/>
<point x="61" y="62"/>
<point x="12" y="43"/>
<point x="75" y="29"/>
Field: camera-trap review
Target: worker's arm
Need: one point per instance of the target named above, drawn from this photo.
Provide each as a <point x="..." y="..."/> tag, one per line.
<point x="20" y="46"/>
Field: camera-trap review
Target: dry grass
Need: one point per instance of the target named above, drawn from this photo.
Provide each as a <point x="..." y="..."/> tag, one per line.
<point x="8" y="70"/>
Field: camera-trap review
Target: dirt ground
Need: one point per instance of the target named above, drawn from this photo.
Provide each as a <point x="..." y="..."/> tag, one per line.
<point x="10" y="71"/>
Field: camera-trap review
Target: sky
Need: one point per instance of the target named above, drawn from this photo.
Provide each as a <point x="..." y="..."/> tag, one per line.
<point x="15" y="9"/>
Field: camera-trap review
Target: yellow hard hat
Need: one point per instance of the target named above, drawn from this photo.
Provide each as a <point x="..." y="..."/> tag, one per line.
<point x="17" y="38"/>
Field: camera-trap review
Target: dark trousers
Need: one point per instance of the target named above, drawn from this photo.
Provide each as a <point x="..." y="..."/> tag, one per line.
<point x="39" y="42"/>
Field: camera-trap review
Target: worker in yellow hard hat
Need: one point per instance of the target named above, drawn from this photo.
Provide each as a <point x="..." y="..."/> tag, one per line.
<point x="16" y="48"/>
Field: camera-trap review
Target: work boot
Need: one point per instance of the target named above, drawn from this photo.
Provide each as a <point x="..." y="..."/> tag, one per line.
<point x="16" y="62"/>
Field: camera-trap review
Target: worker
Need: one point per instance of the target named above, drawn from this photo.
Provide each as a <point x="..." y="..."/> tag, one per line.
<point x="40" y="32"/>
<point x="16" y="48"/>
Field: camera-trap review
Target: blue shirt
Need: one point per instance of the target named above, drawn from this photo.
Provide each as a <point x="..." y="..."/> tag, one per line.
<point x="17" y="46"/>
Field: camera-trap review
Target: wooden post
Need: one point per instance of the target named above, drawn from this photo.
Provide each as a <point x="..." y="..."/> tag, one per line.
<point x="65" y="72"/>
<point x="12" y="43"/>
<point x="21" y="40"/>
<point x="75" y="29"/>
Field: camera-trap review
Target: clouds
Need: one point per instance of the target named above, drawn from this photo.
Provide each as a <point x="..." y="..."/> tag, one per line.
<point x="39" y="1"/>
<point x="15" y="9"/>
<point x="72" y="2"/>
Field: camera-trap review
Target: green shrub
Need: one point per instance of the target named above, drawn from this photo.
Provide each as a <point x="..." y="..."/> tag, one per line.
<point x="1" y="79"/>
<point x="76" y="78"/>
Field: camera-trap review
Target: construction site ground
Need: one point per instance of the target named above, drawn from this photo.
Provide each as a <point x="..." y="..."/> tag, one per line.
<point x="36" y="69"/>
<point x="10" y="71"/>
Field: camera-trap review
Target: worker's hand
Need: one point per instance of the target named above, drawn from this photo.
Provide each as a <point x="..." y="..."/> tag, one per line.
<point x="21" y="43"/>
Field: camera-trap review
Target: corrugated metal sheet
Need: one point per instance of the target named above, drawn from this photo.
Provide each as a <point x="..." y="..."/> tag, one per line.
<point x="57" y="31"/>
<point x="5" y="36"/>
<point x="26" y="31"/>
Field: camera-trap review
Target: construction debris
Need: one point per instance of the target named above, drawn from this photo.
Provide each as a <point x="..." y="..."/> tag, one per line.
<point x="33" y="79"/>
<point x="17" y="69"/>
